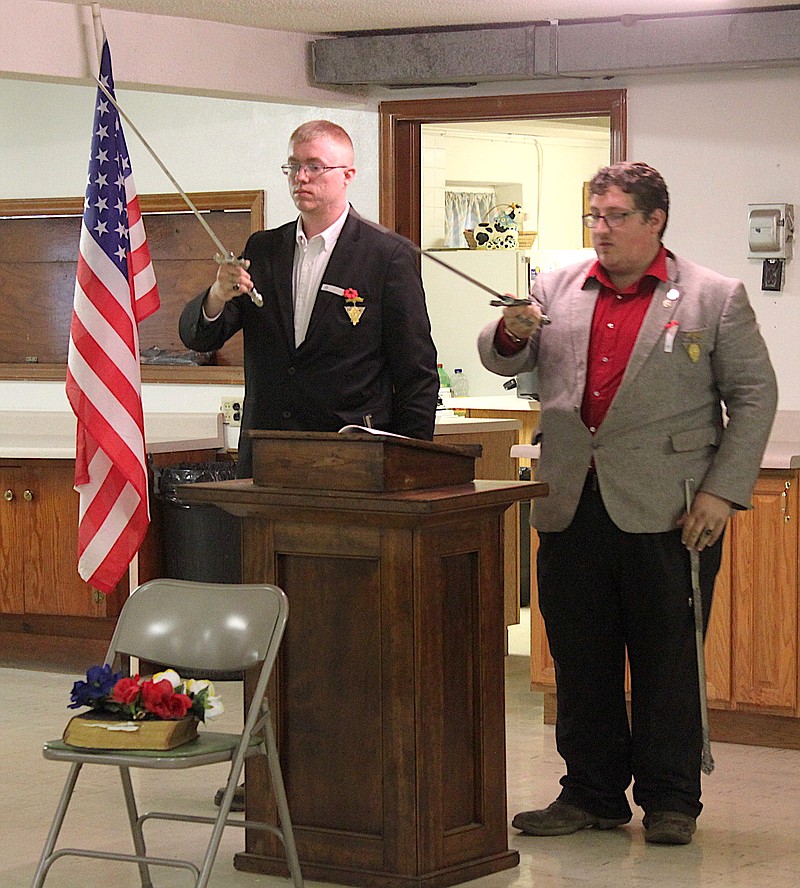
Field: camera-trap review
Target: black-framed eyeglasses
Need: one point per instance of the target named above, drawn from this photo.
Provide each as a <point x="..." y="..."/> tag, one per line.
<point x="312" y="169"/>
<point x="613" y="220"/>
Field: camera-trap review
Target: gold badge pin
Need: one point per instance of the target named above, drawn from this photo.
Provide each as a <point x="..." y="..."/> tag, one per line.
<point x="354" y="312"/>
<point x="692" y="340"/>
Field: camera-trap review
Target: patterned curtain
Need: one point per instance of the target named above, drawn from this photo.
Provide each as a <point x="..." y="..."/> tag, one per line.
<point x="464" y="209"/>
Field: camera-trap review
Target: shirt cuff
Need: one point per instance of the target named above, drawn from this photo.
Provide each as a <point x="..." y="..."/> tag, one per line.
<point x="506" y="343"/>
<point x="206" y="318"/>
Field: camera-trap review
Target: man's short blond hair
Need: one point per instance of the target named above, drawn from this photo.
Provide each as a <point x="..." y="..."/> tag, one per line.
<point x="315" y="129"/>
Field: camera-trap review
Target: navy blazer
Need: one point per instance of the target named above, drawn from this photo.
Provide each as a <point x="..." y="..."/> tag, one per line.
<point x="383" y="366"/>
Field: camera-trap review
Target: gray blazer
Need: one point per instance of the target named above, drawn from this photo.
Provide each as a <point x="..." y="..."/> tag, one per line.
<point x="702" y="410"/>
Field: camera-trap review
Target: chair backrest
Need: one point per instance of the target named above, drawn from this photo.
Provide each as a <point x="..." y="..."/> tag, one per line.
<point x="219" y="627"/>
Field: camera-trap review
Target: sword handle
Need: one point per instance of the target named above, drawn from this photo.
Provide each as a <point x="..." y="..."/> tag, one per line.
<point x="229" y="259"/>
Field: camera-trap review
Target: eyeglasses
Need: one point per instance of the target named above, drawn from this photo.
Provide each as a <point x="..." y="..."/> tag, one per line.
<point x="613" y="220"/>
<point x="312" y="169"/>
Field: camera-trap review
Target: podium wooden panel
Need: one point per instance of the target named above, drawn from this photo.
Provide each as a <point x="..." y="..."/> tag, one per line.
<point x="389" y="690"/>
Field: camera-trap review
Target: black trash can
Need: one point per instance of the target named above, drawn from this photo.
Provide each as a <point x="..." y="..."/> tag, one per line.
<point x="199" y="541"/>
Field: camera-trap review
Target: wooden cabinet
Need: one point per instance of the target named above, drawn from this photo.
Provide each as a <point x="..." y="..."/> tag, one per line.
<point x="764" y="585"/>
<point x="49" y="617"/>
<point x="38" y="521"/>
<point x="752" y="642"/>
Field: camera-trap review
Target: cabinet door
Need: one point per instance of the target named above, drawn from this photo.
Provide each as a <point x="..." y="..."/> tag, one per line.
<point x="52" y="583"/>
<point x="718" y="636"/>
<point x="12" y="540"/>
<point x="765" y="597"/>
<point x="543" y="673"/>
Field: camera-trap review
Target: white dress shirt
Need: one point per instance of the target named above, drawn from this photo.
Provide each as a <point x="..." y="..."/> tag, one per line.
<point x="311" y="258"/>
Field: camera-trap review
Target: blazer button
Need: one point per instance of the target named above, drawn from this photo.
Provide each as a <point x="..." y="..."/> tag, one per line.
<point x="287" y="414"/>
<point x="291" y="371"/>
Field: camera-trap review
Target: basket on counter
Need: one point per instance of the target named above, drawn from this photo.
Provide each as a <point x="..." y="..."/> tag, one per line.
<point x="526" y="239"/>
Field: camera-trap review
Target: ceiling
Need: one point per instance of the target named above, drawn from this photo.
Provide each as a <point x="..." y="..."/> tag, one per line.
<point x="348" y="16"/>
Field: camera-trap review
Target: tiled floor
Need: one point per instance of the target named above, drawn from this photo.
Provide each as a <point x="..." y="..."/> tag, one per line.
<point x="747" y="836"/>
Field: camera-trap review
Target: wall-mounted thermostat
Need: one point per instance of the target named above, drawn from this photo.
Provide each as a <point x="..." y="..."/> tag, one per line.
<point x="770" y="230"/>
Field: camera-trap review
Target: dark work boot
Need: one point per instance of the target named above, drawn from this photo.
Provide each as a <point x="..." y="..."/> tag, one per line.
<point x="561" y="819"/>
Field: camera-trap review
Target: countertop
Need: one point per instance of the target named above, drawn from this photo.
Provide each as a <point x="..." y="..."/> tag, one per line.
<point x="498" y="403"/>
<point x="42" y="434"/>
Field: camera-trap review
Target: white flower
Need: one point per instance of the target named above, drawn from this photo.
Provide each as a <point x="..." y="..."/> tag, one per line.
<point x="212" y="703"/>
<point x="195" y="686"/>
<point x="214" y="707"/>
<point x="170" y="675"/>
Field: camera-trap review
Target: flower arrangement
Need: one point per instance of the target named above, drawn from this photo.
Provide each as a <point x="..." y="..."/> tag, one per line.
<point x="164" y="696"/>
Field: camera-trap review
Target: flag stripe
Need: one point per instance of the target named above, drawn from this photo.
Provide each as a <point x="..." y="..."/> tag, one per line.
<point x="115" y="289"/>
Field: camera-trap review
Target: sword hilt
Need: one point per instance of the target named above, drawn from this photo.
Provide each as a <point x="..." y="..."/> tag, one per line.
<point x="229" y="259"/>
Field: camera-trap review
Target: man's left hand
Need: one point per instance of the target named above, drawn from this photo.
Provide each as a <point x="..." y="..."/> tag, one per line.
<point x="706" y="521"/>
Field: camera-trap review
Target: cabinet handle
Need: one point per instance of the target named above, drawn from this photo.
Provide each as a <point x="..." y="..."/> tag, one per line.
<point x="8" y="496"/>
<point x="784" y="496"/>
<point x="27" y="495"/>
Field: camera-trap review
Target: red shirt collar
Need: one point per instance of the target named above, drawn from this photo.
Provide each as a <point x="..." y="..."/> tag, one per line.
<point x="657" y="270"/>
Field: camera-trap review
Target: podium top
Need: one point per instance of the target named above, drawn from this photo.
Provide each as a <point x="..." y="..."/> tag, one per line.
<point x="358" y="460"/>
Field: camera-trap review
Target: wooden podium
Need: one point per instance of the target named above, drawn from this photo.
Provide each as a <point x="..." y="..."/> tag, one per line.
<point x="389" y="691"/>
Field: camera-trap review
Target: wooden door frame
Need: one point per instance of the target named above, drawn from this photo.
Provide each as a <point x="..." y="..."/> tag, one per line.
<point x="401" y="129"/>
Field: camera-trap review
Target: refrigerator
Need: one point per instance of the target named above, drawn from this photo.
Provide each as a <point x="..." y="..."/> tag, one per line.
<point x="458" y="309"/>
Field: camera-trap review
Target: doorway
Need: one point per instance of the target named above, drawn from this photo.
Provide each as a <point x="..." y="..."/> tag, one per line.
<point x="401" y="138"/>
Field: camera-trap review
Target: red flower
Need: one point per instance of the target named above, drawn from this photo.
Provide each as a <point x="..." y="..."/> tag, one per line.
<point x="351" y="295"/>
<point x="126" y="690"/>
<point x="160" y="699"/>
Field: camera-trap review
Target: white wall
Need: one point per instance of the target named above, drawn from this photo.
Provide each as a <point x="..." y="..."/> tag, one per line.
<point x="208" y="144"/>
<point x="723" y="141"/>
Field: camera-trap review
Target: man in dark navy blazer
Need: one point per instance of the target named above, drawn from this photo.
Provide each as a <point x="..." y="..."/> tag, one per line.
<point x="343" y="335"/>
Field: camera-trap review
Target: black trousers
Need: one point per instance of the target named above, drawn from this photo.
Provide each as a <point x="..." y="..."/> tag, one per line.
<point x="603" y="592"/>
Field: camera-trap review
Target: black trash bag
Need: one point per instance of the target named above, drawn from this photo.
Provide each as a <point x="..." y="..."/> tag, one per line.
<point x="200" y="542"/>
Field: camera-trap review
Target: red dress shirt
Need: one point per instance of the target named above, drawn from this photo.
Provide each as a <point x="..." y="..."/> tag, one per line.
<point x="618" y="316"/>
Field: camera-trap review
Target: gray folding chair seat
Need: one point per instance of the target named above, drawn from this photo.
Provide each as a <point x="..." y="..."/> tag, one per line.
<point x="211" y="627"/>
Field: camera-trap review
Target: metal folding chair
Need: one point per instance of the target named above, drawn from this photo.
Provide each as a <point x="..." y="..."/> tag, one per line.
<point x="211" y="627"/>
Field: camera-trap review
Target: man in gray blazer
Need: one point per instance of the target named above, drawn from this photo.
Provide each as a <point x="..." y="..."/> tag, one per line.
<point x="651" y="371"/>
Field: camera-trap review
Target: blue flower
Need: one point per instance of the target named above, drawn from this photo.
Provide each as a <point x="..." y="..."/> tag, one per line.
<point x="99" y="683"/>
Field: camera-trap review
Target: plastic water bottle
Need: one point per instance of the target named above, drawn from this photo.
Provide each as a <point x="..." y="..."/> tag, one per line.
<point x="460" y="384"/>
<point x="444" y="379"/>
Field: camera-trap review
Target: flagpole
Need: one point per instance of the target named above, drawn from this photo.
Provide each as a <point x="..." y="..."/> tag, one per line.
<point x="99" y="32"/>
<point x="99" y="36"/>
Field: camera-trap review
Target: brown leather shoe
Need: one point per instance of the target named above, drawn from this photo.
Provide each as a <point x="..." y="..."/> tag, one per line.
<point x="561" y="819"/>
<point x="669" y="828"/>
<point x="237" y="804"/>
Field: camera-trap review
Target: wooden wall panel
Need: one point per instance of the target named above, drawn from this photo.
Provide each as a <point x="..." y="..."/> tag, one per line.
<point x="38" y="258"/>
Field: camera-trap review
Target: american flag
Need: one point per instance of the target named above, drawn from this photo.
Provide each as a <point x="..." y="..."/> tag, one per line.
<point x="115" y="289"/>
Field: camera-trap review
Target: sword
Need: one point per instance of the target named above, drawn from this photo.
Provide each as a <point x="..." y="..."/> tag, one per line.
<point x="706" y="760"/>
<point x="224" y="256"/>
<point x="499" y="298"/>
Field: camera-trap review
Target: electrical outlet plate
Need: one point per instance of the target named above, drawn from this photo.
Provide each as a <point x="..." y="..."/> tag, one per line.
<point x="231" y="409"/>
